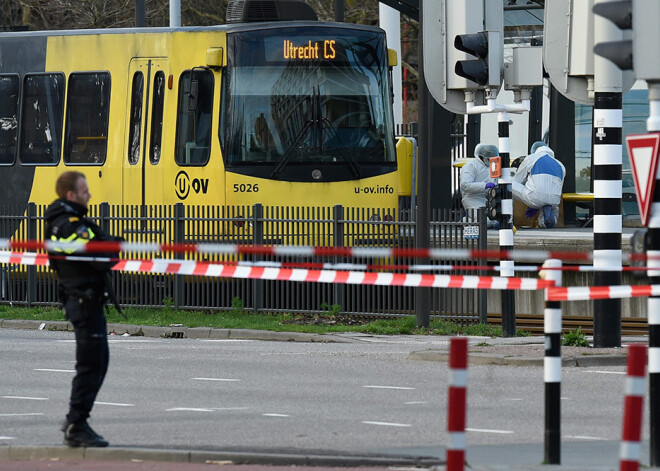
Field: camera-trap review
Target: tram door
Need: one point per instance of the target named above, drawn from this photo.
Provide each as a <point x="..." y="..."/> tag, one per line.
<point x="142" y="169"/>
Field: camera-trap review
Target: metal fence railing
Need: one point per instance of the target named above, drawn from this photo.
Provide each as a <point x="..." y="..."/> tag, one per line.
<point x="258" y="225"/>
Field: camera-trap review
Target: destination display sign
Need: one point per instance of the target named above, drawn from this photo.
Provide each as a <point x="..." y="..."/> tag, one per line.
<point x="311" y="50"/>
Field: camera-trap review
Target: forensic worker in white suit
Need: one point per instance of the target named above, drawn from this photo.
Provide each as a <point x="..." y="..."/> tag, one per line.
<point x="538" y="184"/>
<point x="475" y="178"/>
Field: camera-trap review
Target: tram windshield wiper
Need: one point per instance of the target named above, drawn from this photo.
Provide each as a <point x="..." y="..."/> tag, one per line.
<point x="328" y="127"/>
<point x="300" y="135"/>
<point x="318" y="125"/>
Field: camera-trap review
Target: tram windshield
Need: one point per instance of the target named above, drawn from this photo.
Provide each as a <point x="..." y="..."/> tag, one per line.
<point x="301" y="96"/>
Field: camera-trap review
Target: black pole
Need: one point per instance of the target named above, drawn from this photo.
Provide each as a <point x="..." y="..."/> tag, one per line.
<point x="506" y="226"/>
<point x="422" y="217"/>
<point x="552" y="369"/>
<point x="339" y="11"/>
<point x="607" y="130"/>
<point x="653" y="315"/>
<point x="140" y="14"/>
<point x="653" y="302"/>
<point x="535" y="124"/>
<point x="562" y="142"/>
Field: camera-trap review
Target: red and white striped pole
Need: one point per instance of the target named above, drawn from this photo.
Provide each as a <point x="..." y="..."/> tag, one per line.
<point x="630" y="450"/>
<point x="456" y="410"/>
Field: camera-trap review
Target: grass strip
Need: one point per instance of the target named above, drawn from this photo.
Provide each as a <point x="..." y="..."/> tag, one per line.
<point x="239" y="318"/>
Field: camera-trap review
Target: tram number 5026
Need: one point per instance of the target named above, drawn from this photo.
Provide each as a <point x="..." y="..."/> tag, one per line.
<point x="246" y="188"/>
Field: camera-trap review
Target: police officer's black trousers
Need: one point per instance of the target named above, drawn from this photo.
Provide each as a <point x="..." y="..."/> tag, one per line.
<point x="92" y="355"/>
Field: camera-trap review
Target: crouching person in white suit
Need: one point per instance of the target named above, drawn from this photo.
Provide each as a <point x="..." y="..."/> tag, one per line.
<point x="538" y="184"/>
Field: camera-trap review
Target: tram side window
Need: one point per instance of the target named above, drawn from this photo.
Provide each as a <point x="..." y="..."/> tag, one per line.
<point x="135" y="129"/>
<point x="157" y="101"/>
<point x="42" y="114"/>
<point x="193" y="136"/>
<point x="8" y="117"/>
<point x="88" y="107"/>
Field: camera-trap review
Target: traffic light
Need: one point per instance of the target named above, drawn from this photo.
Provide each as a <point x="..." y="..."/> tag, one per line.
<point x="621" y="14"/>
<point x="486" y="46"/>
<point x="494" y="203"/>
<point x="646" y="39"/>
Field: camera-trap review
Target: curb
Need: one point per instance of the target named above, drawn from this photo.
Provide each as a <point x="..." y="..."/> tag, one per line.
<point x="176" y="332"/>
<point x="513" y="360"/>
<point x="180" y="332"/>
<point x="31" y="453"/>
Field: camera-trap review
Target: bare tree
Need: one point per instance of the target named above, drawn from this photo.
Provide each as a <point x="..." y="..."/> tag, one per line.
<point x="91" y="14"/>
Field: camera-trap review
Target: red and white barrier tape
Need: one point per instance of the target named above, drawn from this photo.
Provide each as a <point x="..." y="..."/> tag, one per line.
<point x="583" y="293"/>
<point x="630" y="450"/>
<point x="16" y="258"/>
<point x="24" y="258"/>
<point x="305" y="251"/>
<point x="191" y="267"/>
<point x="183" y="267"/>
<point x="456" y="403"/>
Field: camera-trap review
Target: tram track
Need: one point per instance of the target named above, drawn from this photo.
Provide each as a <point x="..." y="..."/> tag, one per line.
<point x="533" y="323"/>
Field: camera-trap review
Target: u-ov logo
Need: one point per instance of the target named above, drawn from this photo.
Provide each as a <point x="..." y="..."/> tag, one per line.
<point x="183" y="184"/>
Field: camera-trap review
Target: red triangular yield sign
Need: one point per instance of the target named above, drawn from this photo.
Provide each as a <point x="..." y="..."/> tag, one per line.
<point x="643" y="153"/>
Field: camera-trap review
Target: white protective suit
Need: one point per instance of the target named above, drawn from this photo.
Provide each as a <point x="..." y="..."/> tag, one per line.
<point x="474" y="176"/>
<point x="539" y="180"/>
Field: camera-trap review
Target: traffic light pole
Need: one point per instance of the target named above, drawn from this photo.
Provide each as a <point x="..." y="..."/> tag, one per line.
<point x="504" y="183"/>
<point x="653" y="302"/>
<point x="607" y="165"/>
<point x="506" y="225"/>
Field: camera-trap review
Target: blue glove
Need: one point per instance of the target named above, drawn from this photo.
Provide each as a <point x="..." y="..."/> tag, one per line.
<point x="490" y="185"/>
<point x="531" y="212"/>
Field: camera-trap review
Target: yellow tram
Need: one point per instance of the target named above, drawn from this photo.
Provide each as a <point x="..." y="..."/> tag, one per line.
<point x="277" y="112"/>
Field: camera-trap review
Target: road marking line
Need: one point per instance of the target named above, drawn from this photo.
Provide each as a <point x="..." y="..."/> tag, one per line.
<point x="7" y="438"/>
<point x="226" y="340"/>
<point x="21" y="414"/>
<point x="231" y="408"/>
<point x="25" y="397"/>
<point x="119" y="404"/>
<point x="189" y="409"/>
<point x="276" y="415"/>
<point x="388" y="387"/>
<point x="514" y="399"/>
<point x="584" y="437"/>
<point x="415" y="402"/>
<point x="388" y="424"/>
<point x="54" y="370"/>
<point x="217" y="379"/>
<point x="606" y="372"/>
<point x="485" y="430"/>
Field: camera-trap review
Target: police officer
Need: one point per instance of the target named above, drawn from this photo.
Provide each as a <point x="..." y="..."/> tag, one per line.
<point x="83" y="293"/>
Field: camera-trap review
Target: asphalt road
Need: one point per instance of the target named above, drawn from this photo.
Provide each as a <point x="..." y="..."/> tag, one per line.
<point x="363" y="397"/>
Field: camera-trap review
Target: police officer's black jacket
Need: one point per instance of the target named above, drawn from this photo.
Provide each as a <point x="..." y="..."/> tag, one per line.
<point x="66" y="222"/>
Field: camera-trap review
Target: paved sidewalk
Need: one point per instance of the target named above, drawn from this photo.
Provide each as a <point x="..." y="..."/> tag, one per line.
<point x="599" y="456"/>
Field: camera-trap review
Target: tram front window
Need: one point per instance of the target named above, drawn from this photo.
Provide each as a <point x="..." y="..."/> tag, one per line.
<point x="299" y="98"/>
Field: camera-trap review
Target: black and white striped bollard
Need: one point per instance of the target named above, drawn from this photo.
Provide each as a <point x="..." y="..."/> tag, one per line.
<point x="552" y="366"/>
